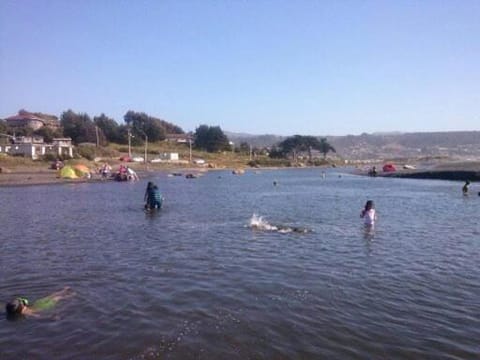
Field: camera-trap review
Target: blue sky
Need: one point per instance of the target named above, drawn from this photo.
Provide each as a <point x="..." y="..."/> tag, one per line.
<point x="263" y="66"/>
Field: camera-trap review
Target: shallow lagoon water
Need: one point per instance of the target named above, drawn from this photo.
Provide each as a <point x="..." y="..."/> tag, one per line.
<point x="196" y="282"/>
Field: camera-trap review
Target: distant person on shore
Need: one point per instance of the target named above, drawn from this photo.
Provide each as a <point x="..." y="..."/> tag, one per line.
<point x="21" y="306"/>
<point x="369" y="214"/>
<point x="105" y="170"/>
<point x="465" y="187"/>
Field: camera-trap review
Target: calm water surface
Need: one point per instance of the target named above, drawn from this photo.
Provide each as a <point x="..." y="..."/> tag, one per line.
<point x="196" y="282"/>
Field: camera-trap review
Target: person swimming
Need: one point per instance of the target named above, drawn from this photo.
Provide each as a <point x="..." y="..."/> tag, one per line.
<point x="258" y="223"/>
<point x="21" y="306"/>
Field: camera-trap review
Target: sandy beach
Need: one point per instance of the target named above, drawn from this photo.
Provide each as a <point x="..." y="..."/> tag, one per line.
<point x="40" y="174"/>
<point x="26" y="175"/>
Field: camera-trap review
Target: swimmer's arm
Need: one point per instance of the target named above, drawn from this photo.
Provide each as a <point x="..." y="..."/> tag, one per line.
<point x="30" y="312"/>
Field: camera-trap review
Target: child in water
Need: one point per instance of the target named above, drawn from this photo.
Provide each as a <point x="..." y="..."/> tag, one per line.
<point x="368" y="213"/>
<point x="21" y="306"/>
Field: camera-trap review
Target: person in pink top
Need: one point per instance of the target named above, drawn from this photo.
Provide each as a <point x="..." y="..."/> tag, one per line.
<point x="368" y="214"/>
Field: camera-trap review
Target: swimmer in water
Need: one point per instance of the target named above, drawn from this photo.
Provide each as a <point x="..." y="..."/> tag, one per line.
<point x="258" y="223"/>
<point x="288" y="229"/>
<point x="21" y="306"/>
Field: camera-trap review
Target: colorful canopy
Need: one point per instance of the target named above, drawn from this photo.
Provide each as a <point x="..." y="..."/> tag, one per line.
<point x="81" y="170"/>
<point x="389" y="168"/>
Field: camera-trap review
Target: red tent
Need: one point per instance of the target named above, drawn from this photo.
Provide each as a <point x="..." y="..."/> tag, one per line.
<point x="389" y="168"/>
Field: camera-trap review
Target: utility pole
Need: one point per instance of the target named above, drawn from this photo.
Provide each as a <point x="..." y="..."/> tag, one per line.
<point x="190" y="145"/>
<point x="129" y="143"/>
<point x="146" y="149"/>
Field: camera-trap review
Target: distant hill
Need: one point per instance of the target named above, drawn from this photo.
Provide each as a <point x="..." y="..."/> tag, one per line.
<point x="461" y="144"/>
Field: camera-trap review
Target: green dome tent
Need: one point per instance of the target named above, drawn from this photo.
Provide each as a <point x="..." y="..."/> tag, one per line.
<point x="67" y="172"/>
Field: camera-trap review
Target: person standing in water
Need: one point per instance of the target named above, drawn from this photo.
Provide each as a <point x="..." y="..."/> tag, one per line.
<point x="465" y="187"/>
<point x="153" y="198"/>
<point x="21" y="306"/>
<point x="148" y="192"/>
<point x="369" y="214"/>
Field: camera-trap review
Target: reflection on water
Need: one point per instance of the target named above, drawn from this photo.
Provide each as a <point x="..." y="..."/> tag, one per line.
<point x="195" y="281"/>
<point x="368" y="232"/>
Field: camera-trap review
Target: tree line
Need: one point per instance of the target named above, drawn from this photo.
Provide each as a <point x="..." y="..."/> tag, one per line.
<point x="81" y="128"/>
<point x="139" y="127"/>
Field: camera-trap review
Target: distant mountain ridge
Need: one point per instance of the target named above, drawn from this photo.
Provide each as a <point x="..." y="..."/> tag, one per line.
<point x="464" y="144"/>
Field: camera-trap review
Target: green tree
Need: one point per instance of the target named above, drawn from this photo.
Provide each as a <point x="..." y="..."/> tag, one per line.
<point x="80" y="127"/>
<point x="244" y="147"/>
<point x="3" y="127"/>
<point x="298" y="143"/>
<point x="123" y="135"/>
<point x="293" y="145"/>
<point x="109" y="127"/>
<point x="48" y="133"/>
<point x="324" y="147"/>
<point x="23" y="131"/>
<point x="276" y="153"/>
<point x="156" y="129"/>
<point x="211" y="139"/>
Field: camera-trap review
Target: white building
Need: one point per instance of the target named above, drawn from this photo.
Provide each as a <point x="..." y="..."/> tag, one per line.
<point x="34" y="147"/>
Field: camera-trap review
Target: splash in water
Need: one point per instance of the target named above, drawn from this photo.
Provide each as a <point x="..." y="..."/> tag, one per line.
<point x="258" y="223"/>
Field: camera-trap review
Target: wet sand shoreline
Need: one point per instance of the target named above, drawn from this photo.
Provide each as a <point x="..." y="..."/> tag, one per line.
<point x="33" y="175"/>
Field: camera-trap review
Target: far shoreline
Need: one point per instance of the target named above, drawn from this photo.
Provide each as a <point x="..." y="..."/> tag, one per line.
<point x="39" y="174"/>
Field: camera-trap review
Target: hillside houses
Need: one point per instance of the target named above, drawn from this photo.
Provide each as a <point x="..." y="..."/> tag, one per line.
<point x="34" y="121"/>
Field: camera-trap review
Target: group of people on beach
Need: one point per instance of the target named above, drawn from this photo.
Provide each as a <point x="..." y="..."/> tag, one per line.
<point x="126" y="173"/>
